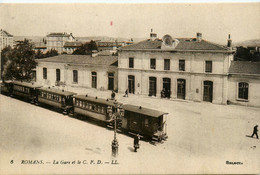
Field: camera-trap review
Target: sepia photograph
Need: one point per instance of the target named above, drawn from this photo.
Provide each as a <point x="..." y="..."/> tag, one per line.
<point x="130" y="87"/>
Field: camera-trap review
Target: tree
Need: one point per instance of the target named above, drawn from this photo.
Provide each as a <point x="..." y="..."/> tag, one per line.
<point x="51" y="53"/>
<point x="86" y="49"/>
<point x="19" y="62"/>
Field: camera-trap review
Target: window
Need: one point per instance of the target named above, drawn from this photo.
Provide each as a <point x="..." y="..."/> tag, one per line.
<point x="181" y="65"/>
<point x="94" y="79"/>
<point x="166" y="64"/>
<point x="131" y="62"/>
<point x="208" y="66"/>
<point x="243" y="90"/>
<point x="44" y="73"/>
<point x="75" y="76"/>
<point x="57" y="75"/>
<point x="153" y="63"/>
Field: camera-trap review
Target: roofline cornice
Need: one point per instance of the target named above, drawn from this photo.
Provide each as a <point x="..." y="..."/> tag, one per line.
<point x="176" y="50"/>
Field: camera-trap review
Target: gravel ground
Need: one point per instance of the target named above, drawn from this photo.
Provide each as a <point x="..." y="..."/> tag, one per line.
<point x="202" y="137"/>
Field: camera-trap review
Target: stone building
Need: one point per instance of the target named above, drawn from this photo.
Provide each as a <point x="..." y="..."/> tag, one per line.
<point x="6" y="39"/>
<point x="57" y="41"/>
<point x="178" y="68"/>
<point x="83" y="71"/>
<point x="244" y="83"/>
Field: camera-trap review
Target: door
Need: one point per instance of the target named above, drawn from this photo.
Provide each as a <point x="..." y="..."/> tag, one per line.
<point x="208" y="91"/>
<point x="152" y="86"/>
<point x="131" y="84"/>
<point x="110" y="81"/>
<point x="181" y="86"/>
<point x="167" y="87"/>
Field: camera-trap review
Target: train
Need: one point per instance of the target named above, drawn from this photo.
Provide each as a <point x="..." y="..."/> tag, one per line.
<point x="149" y="123"/>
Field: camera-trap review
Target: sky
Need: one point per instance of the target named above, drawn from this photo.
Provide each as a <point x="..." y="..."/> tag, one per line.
<point x="180" y="20"/>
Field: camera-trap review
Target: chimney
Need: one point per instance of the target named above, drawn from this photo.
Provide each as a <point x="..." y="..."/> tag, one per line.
<point x="153" y="36"/>
<point x="199" y="37"/>
<point x="229" y="41"/>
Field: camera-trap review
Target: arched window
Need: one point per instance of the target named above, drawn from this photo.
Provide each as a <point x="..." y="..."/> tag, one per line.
<point x="243" y="90"/>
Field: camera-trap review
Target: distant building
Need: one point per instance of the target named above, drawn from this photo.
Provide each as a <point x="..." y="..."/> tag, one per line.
<point x="244" y="83"/>
<point x="111" y="46"/>
<point x="57" y="41"/>
<point x="99" y="72"/>
<point x="6" y="39"/>
<point x="178" y="68"/>
<point x="70" y="47"/>
<point x="40" y="46"/>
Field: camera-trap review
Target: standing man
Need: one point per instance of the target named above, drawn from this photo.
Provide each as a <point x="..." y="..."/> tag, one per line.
<point x="113" y="95"/>
<point x="255" y="132"/>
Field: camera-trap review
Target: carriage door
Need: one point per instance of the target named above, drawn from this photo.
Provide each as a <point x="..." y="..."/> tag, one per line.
<point x="131" y="84"/>
<point x="167" y="87"/>
<point x="181" y="86"/>
<point x="110" y="81"/>
<point x="152" y="86"/>
<point x="208" y="91"/>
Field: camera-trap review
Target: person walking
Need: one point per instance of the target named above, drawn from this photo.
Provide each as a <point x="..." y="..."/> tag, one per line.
<point x="126" y="93"/>
<point x="136" y="142"/>
<point x="113" y="95"/>
<point x="255" y="131"/>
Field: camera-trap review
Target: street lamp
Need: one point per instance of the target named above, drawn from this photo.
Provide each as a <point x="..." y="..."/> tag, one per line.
<point x="115" y="113"/>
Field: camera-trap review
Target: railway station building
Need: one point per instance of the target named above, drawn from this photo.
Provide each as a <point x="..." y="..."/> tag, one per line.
<point x="83" y="71"/>
<point x="178" y="68"/>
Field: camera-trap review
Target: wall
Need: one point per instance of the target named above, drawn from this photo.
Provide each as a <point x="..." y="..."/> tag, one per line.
<point x="194" y="73"/>
<point x="84" y="75"/>
<point x="253" y="91"/>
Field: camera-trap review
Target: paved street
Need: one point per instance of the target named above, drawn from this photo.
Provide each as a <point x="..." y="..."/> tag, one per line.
<point x="202" y="137"/>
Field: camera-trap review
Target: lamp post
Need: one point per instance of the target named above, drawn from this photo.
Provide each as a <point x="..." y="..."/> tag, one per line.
<point x="118" y="112"/>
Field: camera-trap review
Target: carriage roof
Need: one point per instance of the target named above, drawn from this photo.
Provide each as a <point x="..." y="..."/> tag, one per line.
<point x="26" y="84"/>
<point x="57" y="91"/>
<point x="143" y="111"/>
<point x="96" y="100"/>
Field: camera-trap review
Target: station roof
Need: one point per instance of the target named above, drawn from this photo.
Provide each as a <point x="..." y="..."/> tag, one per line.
<point x="81" y="59"/>
<point x="244" y="67"/>
<point x="184" y="44"/>
<point x="96" y="100"/>
<point x="26" y="84"/>
<point x="57" y="91"/>
<point x="144" y="111"/>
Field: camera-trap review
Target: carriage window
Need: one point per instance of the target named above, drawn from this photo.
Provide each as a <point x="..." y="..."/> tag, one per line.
<point x="102" y="110"/>
<point x="90" y="106"/>
<point x="93" y="107"/>
<point x="146" y="122"/>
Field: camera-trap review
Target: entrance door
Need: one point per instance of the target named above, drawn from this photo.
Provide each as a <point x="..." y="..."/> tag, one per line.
<point x="167" y="87"/>
<point x="152" y="86"/>
<point x="208" y="91"/>
<point x="110" y="81"/>
<point x="181" y="86"/>
<point x="131" y="84"/>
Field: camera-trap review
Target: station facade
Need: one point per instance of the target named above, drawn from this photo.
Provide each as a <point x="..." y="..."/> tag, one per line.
<point x="182" y="68"/>
<point x="84" y="71"/>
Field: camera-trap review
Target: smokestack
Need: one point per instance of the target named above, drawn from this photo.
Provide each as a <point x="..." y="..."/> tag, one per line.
<point x="153" y="36"/>
<point x="229" y="41"/>
<point x="199" y="37"/>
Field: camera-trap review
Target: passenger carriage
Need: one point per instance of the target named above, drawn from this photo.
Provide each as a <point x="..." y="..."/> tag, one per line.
<point x="24" y="90"/>
<point x="147" y="122"/>
<point x="93" y="107"/>
<point x="6" y="87"/>
<point x="57" y="98"/>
